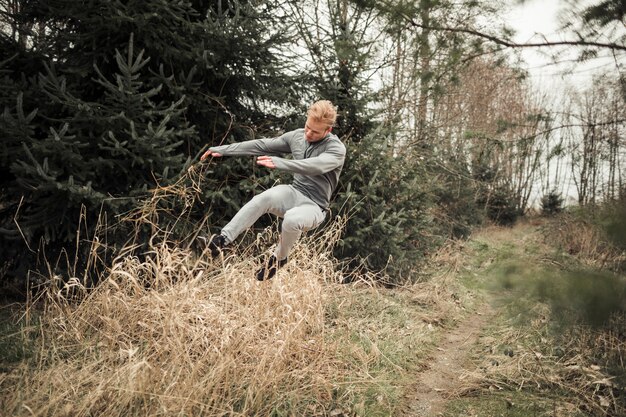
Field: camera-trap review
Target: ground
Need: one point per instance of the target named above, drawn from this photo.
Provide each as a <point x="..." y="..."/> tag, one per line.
<point x="449" y="366"/>
<point x="487" y="331"/>
<point x="499" y="355"/>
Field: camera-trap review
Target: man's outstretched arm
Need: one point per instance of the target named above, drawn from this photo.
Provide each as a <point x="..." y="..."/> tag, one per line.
<point x="258" y="147"/>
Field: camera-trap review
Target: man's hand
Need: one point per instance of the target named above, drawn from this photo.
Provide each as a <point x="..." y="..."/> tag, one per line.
<point x="265" y="161"/>
<point x="210" y="153"/>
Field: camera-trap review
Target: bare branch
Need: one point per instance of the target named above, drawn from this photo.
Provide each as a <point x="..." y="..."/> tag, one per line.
<point x="511" y="44"/>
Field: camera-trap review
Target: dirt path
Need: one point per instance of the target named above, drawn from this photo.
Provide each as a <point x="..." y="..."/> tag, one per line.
<point x="449" y="370"/>
<point x="448" y="367"/>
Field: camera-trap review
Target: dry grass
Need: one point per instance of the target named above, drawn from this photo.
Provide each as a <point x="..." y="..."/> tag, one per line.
<point x="586" y="241"/>
<point x="176" y="335"/>
<point x="172" y="332"/>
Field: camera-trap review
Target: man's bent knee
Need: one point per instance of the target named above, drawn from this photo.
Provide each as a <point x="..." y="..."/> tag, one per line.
<point x="299" y="223"/>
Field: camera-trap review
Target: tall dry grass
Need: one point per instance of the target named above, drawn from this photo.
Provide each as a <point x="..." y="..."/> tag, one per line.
<point x="174" y="332"/>
<point x="178" y="335"/>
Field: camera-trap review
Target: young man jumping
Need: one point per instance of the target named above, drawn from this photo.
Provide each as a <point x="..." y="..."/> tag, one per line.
<point x="317" y="160"/>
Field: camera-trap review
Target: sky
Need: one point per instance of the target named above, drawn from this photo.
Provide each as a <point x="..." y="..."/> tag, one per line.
<point x="537" y="21"/>
<point x="533" y="21"/>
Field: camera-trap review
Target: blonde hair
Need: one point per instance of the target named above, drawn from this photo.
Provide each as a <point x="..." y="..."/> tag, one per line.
<point x="323" y="111"/>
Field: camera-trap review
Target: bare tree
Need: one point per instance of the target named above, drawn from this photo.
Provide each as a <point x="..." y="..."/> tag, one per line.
<point x="595" y="133"/>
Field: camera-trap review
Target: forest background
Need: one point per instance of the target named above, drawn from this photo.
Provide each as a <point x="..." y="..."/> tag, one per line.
<point x="107" y="105"/>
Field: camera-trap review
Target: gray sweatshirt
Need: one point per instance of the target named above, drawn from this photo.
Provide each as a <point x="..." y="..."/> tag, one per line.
<point x="316" y="166"/>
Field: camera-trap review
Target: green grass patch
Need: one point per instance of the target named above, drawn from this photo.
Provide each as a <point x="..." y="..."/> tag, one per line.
<point x="557" y="333"/>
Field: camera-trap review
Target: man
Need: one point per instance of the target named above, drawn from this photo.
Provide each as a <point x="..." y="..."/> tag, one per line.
<point x="318" y="157"/>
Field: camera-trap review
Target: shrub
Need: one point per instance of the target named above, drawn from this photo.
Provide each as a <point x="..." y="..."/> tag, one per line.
<point x="552" y="203"/>
<point x="501" y="207"/>
<point x="387" y="208"/>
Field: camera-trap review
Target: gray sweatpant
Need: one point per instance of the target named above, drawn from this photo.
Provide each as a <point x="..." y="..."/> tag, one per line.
<point x="299" y="214"/>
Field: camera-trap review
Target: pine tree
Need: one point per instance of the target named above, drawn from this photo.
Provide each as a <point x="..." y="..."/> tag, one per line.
<point x="387" y="209"/>
<point x="110" y="98"/>
<point x="96" y="156"/>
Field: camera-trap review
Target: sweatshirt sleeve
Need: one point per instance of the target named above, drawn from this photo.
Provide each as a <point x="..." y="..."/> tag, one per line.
<point x="333" y="157"/>
<point x="257" y="147"/>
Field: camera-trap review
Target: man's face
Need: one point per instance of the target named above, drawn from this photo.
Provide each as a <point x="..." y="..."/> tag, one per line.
<point x="314" y="130"/>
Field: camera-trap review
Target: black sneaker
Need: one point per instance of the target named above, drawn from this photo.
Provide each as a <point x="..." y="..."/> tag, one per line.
<point x="268" y="270"/>
<point x="217" y="245"/>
